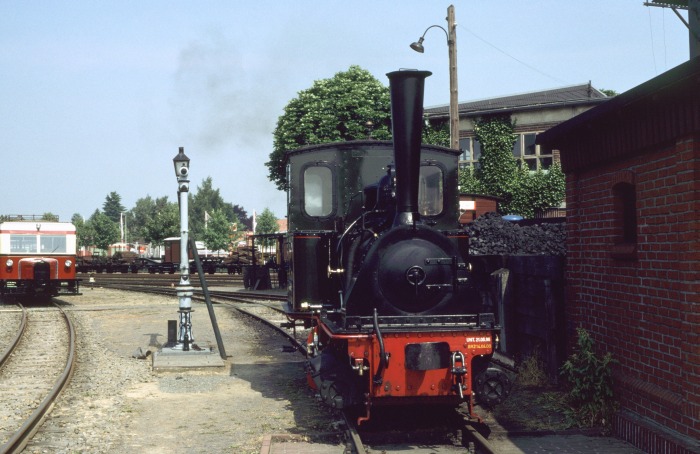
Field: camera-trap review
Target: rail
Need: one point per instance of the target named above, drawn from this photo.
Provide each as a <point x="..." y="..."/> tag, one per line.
<point x="21" y="437"/>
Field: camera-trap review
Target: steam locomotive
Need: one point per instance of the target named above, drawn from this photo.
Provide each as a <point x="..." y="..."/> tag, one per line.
<point x="379" y="270"/>
<point x="37" y="259"/>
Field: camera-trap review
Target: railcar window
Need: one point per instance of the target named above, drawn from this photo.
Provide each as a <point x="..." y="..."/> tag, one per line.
<point x="430" y="191"/>
<point x="22" y="243"/>
<point x="53" y="244"/>
<point x="318" y="191"/>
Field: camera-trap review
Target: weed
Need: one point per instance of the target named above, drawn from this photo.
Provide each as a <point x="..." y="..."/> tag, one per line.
<point x="531" y="371"/>
<point x="590" y="398"/>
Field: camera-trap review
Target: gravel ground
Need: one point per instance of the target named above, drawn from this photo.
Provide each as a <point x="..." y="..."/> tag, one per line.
<point x="116" y="403"/>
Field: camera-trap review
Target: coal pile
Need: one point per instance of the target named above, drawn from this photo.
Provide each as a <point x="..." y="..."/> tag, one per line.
<point x="490" y="234"/>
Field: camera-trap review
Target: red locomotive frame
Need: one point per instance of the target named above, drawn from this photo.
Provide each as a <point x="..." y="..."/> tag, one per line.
<point x="402" y="384"/>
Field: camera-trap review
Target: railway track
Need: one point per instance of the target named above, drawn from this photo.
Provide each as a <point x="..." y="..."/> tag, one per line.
<point x="34" y="369"/>
<point x="268" y="308"/>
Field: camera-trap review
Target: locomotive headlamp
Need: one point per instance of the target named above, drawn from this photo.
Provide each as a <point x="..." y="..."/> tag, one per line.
<point x="9" y="263"/>
<point x="68" y="263"/>
<point x="182" y="164"/>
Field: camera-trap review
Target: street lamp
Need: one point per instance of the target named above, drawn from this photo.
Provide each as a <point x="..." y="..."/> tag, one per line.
<point x="451" y="35"/>
<point x="184" y="289"/>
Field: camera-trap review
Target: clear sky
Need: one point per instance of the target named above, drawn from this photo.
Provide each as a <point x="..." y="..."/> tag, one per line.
<point x="97" y="96"/>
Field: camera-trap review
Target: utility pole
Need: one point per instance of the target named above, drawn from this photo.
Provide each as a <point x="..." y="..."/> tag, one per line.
<point x="451" y="35"/>
<point x="693" y="23"/>
<point x="454" y="101"/>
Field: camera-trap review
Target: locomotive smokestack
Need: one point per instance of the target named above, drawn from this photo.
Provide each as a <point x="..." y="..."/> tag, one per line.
<point x="406" y="89"/>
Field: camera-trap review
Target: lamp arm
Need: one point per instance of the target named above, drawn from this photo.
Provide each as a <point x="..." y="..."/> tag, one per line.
<point x="447" y="35"/>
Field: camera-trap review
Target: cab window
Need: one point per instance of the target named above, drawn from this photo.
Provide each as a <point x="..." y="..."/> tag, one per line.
<point x="430" y="191"/>
<point x="318" y="191"/>
<point x="52" y="244"/>
<point x="22" y="244"/>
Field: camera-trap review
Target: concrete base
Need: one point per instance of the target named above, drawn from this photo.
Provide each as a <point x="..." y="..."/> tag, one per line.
<point x="177" y="359"/>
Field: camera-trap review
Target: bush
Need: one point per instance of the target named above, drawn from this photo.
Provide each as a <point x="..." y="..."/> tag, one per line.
<point x="590" y="398"/>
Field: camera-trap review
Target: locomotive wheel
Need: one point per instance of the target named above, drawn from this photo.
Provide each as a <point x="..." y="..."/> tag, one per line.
<point x="491" y="387"/>
<point x="333" y="379"/>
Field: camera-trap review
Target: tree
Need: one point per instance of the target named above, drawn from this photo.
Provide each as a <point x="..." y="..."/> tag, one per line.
<point x="266" y="223"/>
<point x="207" y="200"/>
<point x="49" y="217"/>
<point x="332" y="110"/>
<point x="140" y="215"/>
<point x="165" y="223"/>
<point x="244" y="220"/>
<point x="83" y="231"/>
<point x="217" y="234"/>
<point x="105" y="231"/>
<point x="113" y="207"/>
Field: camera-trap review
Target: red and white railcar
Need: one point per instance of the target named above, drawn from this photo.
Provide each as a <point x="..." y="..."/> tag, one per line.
<point x="37" y="259"/>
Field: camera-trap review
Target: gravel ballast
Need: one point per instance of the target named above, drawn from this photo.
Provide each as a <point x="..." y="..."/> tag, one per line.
<point x="117" y="403"/>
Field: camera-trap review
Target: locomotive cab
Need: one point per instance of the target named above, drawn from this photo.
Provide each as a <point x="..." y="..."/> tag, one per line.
<point x="338" y="190"/>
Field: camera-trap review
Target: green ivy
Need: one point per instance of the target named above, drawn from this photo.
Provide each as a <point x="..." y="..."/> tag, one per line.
<point x="500" y="174"/>
<point x="437" y="134"/>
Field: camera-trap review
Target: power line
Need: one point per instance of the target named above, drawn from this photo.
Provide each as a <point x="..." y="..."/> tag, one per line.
<point x="510" y="56"/>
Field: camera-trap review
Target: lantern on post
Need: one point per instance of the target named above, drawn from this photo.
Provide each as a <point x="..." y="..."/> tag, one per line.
<point x="184" y="289"/>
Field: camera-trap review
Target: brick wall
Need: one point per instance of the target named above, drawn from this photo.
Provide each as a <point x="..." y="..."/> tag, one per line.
<point x="641" y="301"/>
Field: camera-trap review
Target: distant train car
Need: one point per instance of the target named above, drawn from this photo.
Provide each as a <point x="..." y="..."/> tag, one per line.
<point x="37" y="259"/>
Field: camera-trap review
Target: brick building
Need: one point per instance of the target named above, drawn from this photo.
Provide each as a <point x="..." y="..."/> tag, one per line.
<point x="632" y="168"/>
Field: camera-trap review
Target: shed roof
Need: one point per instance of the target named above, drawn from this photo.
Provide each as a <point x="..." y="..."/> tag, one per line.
<point x="651" y="114"/>
<point x="565" y="96"/>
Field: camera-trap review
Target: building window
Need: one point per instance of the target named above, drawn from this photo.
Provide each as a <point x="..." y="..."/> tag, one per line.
<point x="625" y="220"/>
<point x="525" y="150"/>
<point x="471" y="152"/>
<point x="529" y="153"/>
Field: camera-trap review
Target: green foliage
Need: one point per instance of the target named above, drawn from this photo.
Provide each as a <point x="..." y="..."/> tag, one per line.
<point x="49" y="217"/>
<point x="103" y="230"/>
<point x="497" y="167"/>
<point x="500" y="174"/>
<point x="206" y="199"/>
<point x="266" y="223"/>
<point x="142" y="212"/>
<point x="165" y="223"/>
<point x="437" y="134"/>
<point x="469" y="183"/>
<point x="590" y="377"/>
<point x="217" y="234"/>
<point x="83" y="231"/>
<point x="332" y="110"/>
<point x="537" y="191"/>
<point x="113" y="207"/>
